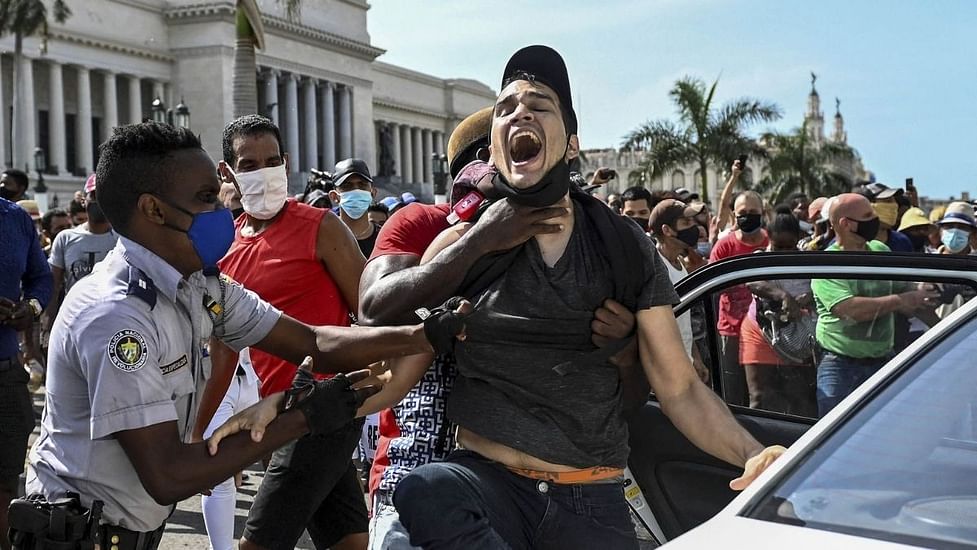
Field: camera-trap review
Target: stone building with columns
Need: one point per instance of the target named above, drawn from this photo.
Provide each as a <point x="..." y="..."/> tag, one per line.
<point x="318" y="78"/>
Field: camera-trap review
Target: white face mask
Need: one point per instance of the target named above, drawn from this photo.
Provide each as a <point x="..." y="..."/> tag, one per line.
<point x="263" y="192"/>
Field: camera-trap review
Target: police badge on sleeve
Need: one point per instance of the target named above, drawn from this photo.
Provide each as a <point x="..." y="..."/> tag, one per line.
<point x="127" y="350"/>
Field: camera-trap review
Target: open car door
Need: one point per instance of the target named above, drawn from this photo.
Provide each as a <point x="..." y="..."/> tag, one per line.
<point x="671" y="485"/>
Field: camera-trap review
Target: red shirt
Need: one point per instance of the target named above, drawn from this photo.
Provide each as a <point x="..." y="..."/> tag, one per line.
<point x="735" y="302"/>
<point x="410" y="231"/>
<point x="281" y="266"/>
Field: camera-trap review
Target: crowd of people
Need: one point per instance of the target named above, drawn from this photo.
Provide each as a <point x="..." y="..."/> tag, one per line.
<point x="188" y="319"/>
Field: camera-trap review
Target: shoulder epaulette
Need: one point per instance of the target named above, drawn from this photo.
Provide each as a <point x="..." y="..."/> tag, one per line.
<point x="141" y="287"/>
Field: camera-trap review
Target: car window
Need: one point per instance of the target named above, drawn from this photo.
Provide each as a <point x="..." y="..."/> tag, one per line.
<point x="904" y="467"/>
<point x="799" y="346"/>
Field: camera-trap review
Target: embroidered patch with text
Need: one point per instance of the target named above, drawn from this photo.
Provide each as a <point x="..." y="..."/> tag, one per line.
<point x="127" y="350"/>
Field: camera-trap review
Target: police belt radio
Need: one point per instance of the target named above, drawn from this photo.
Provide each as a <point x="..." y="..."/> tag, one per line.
<point x="36" y="524"/>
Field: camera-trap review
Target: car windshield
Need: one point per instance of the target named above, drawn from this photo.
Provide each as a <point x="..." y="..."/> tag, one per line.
<point x="904" y="467"/>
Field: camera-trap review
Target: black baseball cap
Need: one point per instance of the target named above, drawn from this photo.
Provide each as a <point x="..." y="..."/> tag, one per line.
<point x="349" y="167"/>
<point x="668" y="212"/>
<point x="877" y="191"/>
<point x="543" y="64"/>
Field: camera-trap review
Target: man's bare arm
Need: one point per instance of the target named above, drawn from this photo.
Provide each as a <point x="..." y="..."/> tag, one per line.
<point x="405" y="373"/>
<point x="172" y="471"/>
<point x="860" y="309"/>
<point x="691" y="405"/>
<point x="390" y="296"/>
<point x="342" y="349"/>
<point x="337" y="249"/>
<point x="54" y="304"/>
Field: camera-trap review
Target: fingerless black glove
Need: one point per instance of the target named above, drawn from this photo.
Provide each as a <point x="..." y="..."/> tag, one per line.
<point x="442" y="325"/>
<point x="327" y="404"/>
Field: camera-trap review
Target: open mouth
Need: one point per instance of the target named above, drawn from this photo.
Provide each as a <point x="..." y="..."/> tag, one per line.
<point x="524" y="147"/>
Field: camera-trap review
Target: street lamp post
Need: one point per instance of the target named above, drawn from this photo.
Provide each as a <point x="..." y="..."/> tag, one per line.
<point x="439" y="164"/>
<point x="40" y="190"/>
<point x="181" y="115"/>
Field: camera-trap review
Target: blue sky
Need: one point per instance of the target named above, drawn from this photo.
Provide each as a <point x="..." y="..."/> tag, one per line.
<point x="906" y="72"/>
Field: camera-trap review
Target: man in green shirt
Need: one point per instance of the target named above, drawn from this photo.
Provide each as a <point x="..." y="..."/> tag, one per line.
<point x="855" y="317"/>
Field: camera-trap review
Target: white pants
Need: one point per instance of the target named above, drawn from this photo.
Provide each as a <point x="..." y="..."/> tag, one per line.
<point x="218" y="508"/>
<point x="386" y="531"/>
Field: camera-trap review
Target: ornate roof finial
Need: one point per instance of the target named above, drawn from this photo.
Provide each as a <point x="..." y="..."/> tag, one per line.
<point x="837" y="107"/>
<point x="814" y="78"/>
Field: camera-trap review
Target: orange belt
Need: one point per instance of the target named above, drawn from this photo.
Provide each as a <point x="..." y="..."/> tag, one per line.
<point x="585" y="475"/>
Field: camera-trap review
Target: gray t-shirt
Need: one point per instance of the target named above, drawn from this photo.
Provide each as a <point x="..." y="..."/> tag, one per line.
<point x="126" y="353"/>
<point x="77" y="250"/>
<point x="507" y="389"/>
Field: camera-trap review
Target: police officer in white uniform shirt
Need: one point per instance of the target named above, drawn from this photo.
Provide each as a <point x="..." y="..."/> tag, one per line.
<point x="125" y="366"/>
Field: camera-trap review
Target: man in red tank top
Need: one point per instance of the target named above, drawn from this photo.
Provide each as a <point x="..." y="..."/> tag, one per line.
<point x="306" y="262"/>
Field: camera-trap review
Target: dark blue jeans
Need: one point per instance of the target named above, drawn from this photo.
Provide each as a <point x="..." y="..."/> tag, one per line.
<point x="474" y="503"/>
<point x="838" y="376"/>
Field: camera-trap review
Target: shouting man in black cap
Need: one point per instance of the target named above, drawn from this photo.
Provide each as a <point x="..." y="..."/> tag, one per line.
<point x="537" y="403"/>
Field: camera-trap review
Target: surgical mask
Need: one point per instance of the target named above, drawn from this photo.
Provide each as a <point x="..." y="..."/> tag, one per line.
<point x="355" y="203"/>
<point x="749" y="223"/>
<point x="867" y="229"/>
<point x="807" y="227"/>
<point x="704" y="248"/>
<point x="955" y="239"/>
<point x="888" y="213"/>
<point x="95" y="214"/>
<point x="211" y="233"/>
<point x="689" y="236"/>
<point x="263" y="192"/>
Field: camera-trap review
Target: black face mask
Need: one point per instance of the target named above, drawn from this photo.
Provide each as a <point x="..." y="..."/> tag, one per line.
<point x="237" y="212"/>
<point x="868" y="229"/>
<point x="689" y="236"/>
<point x="95" y="214"/>
<point x="7" y="193"/>
<point x="749" y="223"/>
<point x="642" y="222"/>
<point x="553" y="186"/>
<point x="919" y="241"/>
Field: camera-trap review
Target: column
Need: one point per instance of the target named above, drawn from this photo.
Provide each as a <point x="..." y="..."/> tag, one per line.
<point x="3" y="120"/>
<point x="83" y="124"/>
<point x="292" y="122"/>
<point x="427" y="152"/>
<point x="310" y="139"/>
<point x="398" y="158"/>
<point x="25" y="126"/>
<point x="345" y="123"/>
<point x="57" y="156"/>
<point x="328" y="111"/>
<point x="270" y="108"/>
<point x="407" y="153"/>
<point x="111" y="118"/>
<point x="437" y="137"/>
<point x="418" y="152"/>
<point x="135" y="100"/>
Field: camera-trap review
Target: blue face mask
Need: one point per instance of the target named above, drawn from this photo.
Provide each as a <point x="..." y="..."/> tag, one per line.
<point x="704" y="248"/>
<point x="211" y="233"/>
<point x="955" y="239"/>
<point x="355" y="203"/>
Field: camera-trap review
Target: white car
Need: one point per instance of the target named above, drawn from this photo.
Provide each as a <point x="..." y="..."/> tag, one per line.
<point x="894" y="465"/>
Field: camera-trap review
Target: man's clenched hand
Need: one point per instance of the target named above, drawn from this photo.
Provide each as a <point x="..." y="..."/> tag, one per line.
<point x="506" y="225"/>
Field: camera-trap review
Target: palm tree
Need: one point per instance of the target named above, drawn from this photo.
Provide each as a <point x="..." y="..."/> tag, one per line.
<point x="702" y="135"/>
<point x="250" y="34"/>
<point x="799" y="164"/>
<point x="24" y="18"/>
